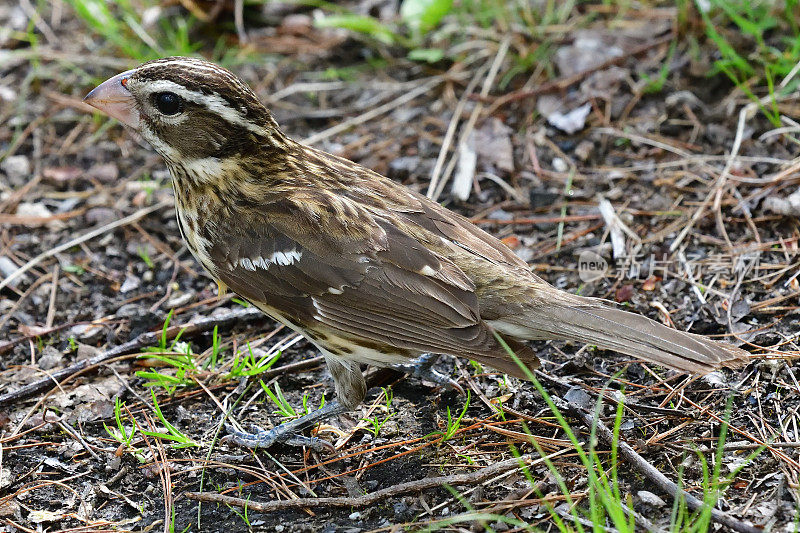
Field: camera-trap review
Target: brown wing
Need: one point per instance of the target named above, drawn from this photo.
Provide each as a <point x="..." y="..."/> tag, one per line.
<point x="383" y="287"/>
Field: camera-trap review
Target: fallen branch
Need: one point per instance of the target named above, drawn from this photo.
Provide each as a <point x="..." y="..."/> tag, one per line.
<point x="563" y="83"/>
<point x="471" y="478"/>
<point x="653" y="474"/>
<point x="141" y="341"/>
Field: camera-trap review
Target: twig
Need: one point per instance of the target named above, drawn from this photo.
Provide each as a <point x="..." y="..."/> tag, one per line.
<point x="369" y="115"/>
<point x="435" y="189"/>
<point x="451" y="128"/>
<point x="688" y="270"/>
<point x="75" y="435"/>
<point x="563" y="83"/>
<point x="145" y="339"/>
<point x="83" y="238"/>
<point x="375" y="497"/>
<point x="654" y="475"/>
<point x="238" y="20"/>
<point x="616" y="227"/>
<point x="8" y="314"/>
<point x="719" y="184"/>
<point x="51" y="309"/>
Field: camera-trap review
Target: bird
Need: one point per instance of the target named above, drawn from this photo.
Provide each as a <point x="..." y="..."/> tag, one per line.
<point x="368" y="270"/>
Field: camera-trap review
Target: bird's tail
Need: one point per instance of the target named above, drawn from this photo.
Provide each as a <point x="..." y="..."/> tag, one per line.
<point x="594" y="322"/>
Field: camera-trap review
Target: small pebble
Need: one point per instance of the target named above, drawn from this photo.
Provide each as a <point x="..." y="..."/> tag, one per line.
<point x="650" y="499"/>
<point x="106" y="173"/>
<point x="8" y="267"/>
<point x="179" y="300"/>
<point x="86" y="332"/>
<point x="584" y="150"/>
<point x="50" y="358"/>
<point x="129" y="310"/>
<point x="86" y="352"/>
<point x="130" y="283"/>
<point x="17" y="168"/>
<point x="559" y="165"/>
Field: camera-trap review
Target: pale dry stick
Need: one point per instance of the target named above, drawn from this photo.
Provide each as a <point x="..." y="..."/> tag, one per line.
<point x="659" y="144"/>
<point x="301" y="112"/>
<point x="372" y="113"/>
<point x="694" y="159"/>
<point x="306" y="87"/>
<point x="792" y="73"/>
<point x="719" y="184"/>
<point x="778" y="131"/>
<point x="51" y="308"/>
<point x="616" y="227"/>
<point x="511" y="191"/>
<point x="433" y="193"/>
<point x="489" y="483"/>
<point x="667" y="317"/>
<point x="324" y="86"/>
<point x="39" y="22"/>
<point x="238" y="20"/>
<point x="83" y="238"/>
<point x="79" y="439"/>
<point x="375" y="497"/>
<point x="791" y="122"/>
<point x="22" y="298"/>
<point x="12" y="57"/>
<point x="447" y="141"/>
<point x="723" y="178"/>
<point x="688" y="270"/>
<point x="748" y="215"/>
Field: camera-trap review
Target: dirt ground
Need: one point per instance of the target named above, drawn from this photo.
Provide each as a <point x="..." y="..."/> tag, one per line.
<point x="686" y="197"/>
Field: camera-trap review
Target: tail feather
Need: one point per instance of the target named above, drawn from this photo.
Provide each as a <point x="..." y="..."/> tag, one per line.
<point x="594" y="322"/>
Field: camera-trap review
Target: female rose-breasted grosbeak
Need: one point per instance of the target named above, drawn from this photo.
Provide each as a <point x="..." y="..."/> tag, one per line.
<point x="368" y="270"/>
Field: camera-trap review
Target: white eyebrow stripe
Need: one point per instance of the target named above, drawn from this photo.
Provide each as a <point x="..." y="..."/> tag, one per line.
<point x="213" y="102"/>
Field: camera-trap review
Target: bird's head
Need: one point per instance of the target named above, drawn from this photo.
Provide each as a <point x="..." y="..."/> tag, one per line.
<point x="188" y="109"/>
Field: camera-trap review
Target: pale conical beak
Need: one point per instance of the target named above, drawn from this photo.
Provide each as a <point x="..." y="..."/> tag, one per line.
<point x="114" y="99"/>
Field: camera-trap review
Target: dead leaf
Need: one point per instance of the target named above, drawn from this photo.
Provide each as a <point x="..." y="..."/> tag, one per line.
<point x="512" y="241"/>
<point x="624" y="293"/>
<point x="572" y="121"/>
<point x="493" y="145"/>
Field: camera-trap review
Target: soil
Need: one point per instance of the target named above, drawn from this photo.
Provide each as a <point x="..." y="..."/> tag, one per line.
<point x="657" y="158"/>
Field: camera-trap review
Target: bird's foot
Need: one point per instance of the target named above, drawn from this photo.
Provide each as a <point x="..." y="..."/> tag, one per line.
<point x="287" y="433"/>
<point x="422" y="368"/>
<point x="262" y="438"/>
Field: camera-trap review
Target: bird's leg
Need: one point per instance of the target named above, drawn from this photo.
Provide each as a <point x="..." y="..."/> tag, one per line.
<point x="350" y="392"/>
<point x="422" y="368"/>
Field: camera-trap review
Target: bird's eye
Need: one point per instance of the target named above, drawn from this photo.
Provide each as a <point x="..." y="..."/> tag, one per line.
<point x="168" y="103"/>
